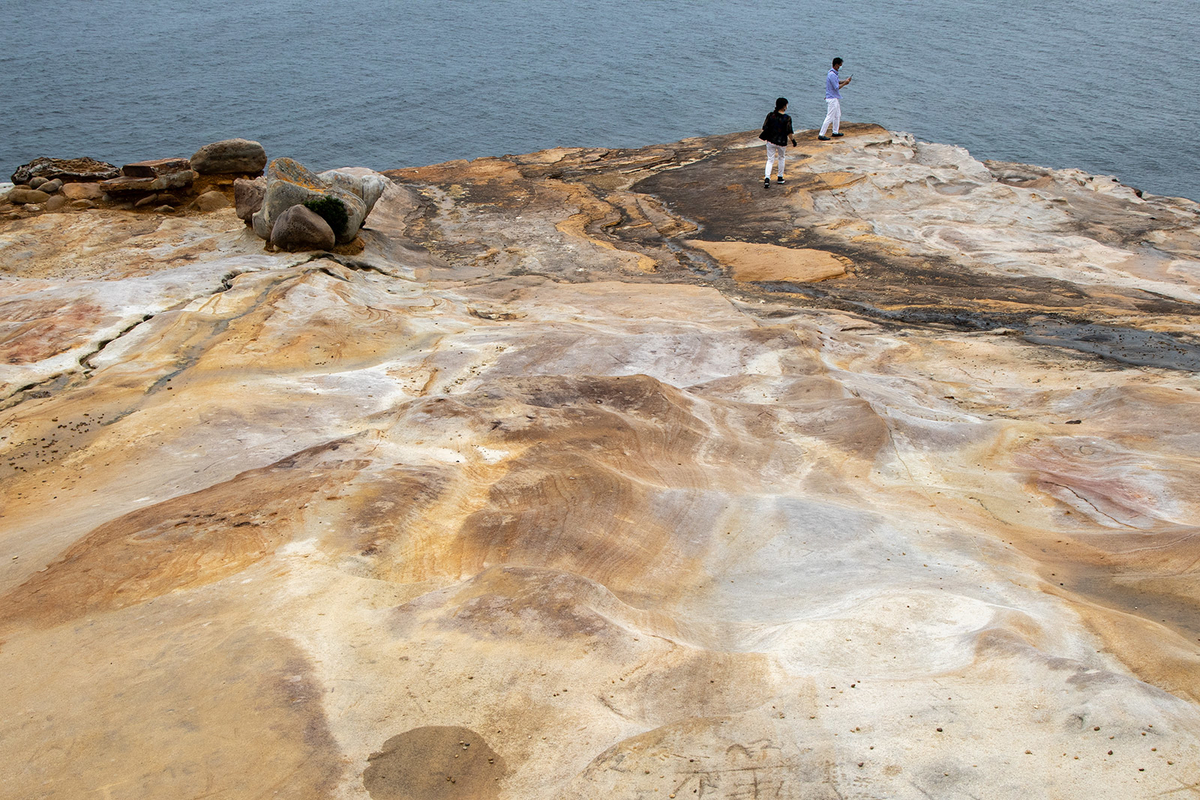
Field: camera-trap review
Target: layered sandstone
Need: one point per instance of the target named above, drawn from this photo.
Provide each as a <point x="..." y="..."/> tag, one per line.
<point x="607" y="473"/>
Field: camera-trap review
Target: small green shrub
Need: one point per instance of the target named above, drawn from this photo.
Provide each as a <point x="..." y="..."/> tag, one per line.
<point x="331" y="209"/>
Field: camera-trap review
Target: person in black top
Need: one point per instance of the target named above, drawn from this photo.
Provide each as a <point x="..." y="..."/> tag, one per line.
<point x="777" y="130"/>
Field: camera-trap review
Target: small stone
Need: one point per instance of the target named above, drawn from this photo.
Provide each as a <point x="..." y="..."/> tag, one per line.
<point x="36" y="183"/>
<point x="148" y="200"/>
<point x="56" y="202"/>
<point x="50" y="187"/>
<point x="83" y="203"/>
<point x="165" y="209"/>
<point x="211" y="201"/>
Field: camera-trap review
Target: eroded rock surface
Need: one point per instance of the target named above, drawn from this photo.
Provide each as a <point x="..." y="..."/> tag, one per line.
<point x="604" y="473"/>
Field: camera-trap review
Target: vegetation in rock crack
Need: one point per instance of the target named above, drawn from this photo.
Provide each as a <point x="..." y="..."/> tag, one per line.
<point x="331" y="209"/>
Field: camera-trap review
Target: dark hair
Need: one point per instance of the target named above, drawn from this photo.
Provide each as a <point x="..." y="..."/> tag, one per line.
<point x="780" y="102"/>
<point x="837" y="62"/>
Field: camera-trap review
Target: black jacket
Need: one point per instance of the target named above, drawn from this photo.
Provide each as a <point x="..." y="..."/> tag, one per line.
<point x="776" y="129"/>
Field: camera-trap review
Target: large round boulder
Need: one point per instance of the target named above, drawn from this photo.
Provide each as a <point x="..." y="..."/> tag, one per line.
<point x="231" y="155"/>
<point x="69" y="169"/>
<point x="299" y="228"/>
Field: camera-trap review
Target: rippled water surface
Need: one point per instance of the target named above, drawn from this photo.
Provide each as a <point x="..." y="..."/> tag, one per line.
<point x="1109" y="86"/>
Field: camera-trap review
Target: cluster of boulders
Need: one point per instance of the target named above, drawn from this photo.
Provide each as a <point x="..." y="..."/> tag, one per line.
<point x="296" y="209"/>
<point x="290" y="207"/>
<point x="203" y="182"/>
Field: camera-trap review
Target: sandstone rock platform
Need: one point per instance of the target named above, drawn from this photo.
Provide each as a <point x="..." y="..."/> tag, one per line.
<point x="572" y="483"/>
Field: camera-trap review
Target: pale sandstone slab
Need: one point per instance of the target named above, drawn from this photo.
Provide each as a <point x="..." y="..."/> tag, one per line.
<point x="316" y="528"/>
<point x="753" y="262"/>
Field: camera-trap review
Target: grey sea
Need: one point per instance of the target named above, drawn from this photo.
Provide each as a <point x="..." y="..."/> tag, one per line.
<point x="1108" y="86"/>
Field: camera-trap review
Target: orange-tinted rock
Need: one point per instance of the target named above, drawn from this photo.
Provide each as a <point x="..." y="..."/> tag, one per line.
<point x="611" y="476"/>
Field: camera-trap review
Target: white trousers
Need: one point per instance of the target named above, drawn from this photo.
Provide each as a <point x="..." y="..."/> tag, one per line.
<point x="775" y="152"/>
<point x="833" y="116"/>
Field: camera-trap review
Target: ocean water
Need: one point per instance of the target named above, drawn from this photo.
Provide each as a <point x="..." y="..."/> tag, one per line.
<point x="1108" y="86"/>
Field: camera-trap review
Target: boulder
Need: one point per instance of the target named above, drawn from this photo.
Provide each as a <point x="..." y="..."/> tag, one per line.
<point x="248" y="197"/>
<point x="83" y="203"/>
<point x="36" y="183"/>
<point x="299" y="228"/>
<point x="230" y="155"/>
<point x="69" y="169"/>
<point x="368" y="187"/>
<point x="50" y="187"/>
<point x="82" y="191"/>
<point x="21" y="195"/>
<point x="56" y="202"/>
<point x="211" y="201"/>
<point x="156" y="168"/>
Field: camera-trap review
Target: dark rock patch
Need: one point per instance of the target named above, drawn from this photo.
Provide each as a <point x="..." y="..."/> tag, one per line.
<point x="436" y="762"/>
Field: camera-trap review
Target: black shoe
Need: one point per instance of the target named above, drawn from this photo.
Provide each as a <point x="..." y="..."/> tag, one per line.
<point x="839" y="134"/>
<point x="766" y="183"/>
<point x="823" y="138"/>
<point x="780" y="180"/>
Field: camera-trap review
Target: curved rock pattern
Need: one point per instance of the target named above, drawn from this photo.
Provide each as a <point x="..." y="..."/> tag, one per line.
<point x="609" y="473"/>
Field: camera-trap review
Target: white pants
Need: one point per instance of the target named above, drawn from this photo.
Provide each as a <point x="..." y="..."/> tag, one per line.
<point x="834" y="116"/>
<point x="775" y="152"/>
